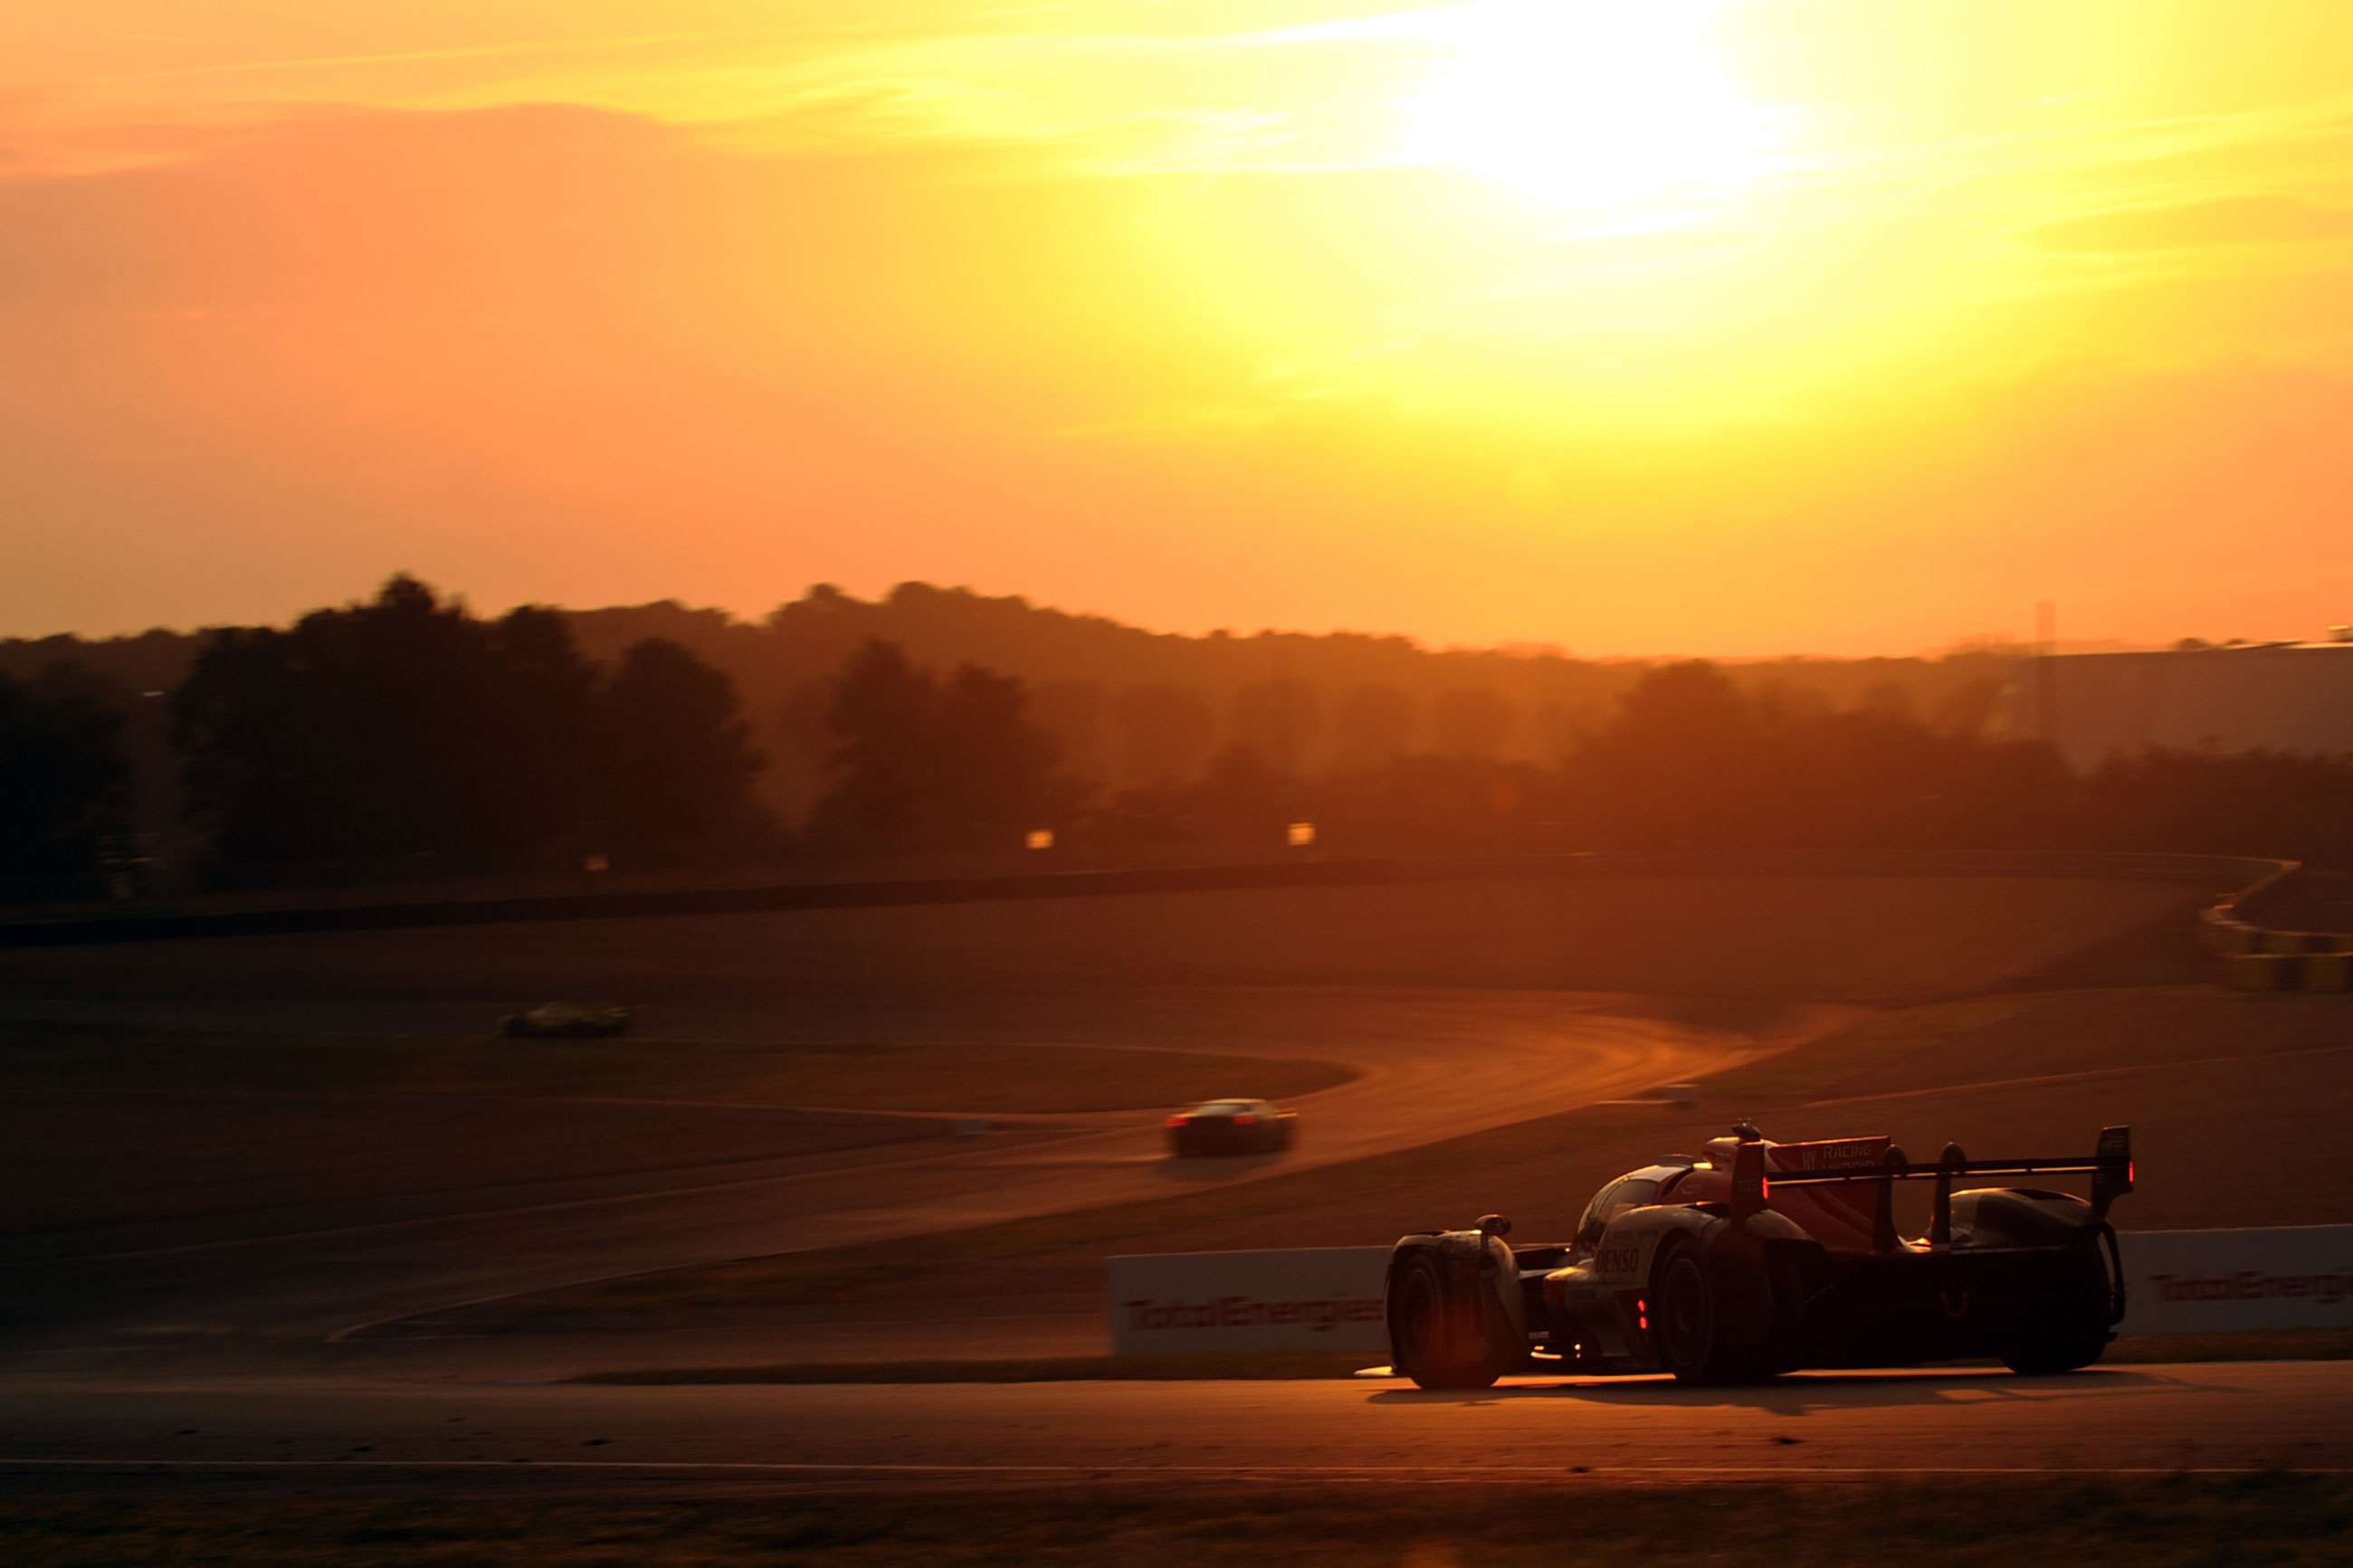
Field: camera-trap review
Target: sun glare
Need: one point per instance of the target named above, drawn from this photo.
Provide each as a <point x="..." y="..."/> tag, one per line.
<point x="1623" y="111"/>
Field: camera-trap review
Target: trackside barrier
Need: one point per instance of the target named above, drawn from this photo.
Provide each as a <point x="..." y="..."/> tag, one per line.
<point x="173" y="924"/>
<point x="1329" y="1298"/>
<point x="2232" y="1282"/>
<point x="2324" y="972"/>
<point x="1206" y="1303"/>
<point x="2257" y="957"/>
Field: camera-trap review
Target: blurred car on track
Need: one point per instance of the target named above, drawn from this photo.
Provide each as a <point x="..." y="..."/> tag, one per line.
<point x="567" y="1021"/>
<point x="1232" y="1127"/>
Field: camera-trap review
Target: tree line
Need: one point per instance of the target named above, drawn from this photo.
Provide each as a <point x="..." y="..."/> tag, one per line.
<point x="405" y="733"/>
<point x="405" y="738"/>
<point x="1127" y="708"/>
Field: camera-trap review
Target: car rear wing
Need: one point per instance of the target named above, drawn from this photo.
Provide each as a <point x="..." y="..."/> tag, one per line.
<point x="2110" y="1166"/>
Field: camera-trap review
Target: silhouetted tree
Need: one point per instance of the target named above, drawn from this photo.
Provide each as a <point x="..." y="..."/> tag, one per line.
<point x="1371" y="724"/>
<point x="1276" y="719"/>
<point x="550" y="695"/>
<point x="1073" y="712"/>
<point x="372" y="735"/>
<point x="1888" y="699"/>
<point x="881" y="714"/>
<point x="64" y="784"/>
<point x="1165" y="733"/>
<point x="1471" y="721"/>
<point x="403" y="736"/>
<point x="1244" y="802"/>
<point x="1678" y="765"/>
<point x="994" y="769"/>
<point x="1441" y="801"/>
<point x="677" y="758"/>
<point x="923" y="765"/>
<point x="1968" y="709"/>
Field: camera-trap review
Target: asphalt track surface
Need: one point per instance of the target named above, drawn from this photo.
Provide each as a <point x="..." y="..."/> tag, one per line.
<point x="152" y="1319"/>
<point x="301" y="1219"/>
<point x="1854" y="1427"/>
<point x="145" y="1270"/>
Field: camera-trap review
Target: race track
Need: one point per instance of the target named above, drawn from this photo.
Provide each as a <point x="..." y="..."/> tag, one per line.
<point x="269" y="1229"/>
<point x="331" y="1217"/>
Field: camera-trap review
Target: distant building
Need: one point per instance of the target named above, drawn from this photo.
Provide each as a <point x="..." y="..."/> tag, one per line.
<point x="2278" y="697"/>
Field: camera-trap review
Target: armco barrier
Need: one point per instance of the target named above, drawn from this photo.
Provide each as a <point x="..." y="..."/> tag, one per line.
<point x="1329" y="1298"/>
<point x="2322" y="972"/>
<point x="173" y="924"/>
<point x="637" y="904"/>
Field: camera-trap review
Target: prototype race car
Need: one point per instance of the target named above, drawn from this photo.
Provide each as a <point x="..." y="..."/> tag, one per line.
<point x="1232" y="1127"/>
<point x="567" y="1021"/>
<point x="1764" y="1257"/>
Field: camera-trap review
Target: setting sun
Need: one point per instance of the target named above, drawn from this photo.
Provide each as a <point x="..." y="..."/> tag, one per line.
<point x="1492" y="311"/>
<point x="1623" y="113"/>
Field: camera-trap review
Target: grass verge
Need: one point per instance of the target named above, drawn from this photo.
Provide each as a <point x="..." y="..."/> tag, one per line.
<point x="2283" y="1518"/>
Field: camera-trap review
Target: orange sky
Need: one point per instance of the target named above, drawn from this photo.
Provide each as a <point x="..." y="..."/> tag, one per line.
<point x="1726" y="326"/>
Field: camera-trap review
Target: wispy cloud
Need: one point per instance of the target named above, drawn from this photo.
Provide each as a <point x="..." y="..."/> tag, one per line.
<point x="520" y="50"/>
<point x="2224" y="220"/>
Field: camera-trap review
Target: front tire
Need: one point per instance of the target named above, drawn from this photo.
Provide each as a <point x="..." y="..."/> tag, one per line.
<point x="1440" y="1339"/>
<point x="1687" y="1320"/>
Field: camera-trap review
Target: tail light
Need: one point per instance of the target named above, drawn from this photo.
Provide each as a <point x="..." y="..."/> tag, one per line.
<point x="1179" y="1121"/>
<point x="1246" y="1119"/>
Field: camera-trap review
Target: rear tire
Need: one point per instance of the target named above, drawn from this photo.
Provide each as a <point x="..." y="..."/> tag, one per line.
<point x="2050" y="1352"/>
<point x="2075" y="1333"/>
<point x="1441" y="1340"/>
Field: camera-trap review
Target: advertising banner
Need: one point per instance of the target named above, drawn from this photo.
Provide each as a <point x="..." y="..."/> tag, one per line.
<point x="1201" y="1303"/>
<point x="2230" y="1281"/>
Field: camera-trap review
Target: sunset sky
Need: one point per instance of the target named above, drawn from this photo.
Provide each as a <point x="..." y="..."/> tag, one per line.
<point x="1720" y="326"/>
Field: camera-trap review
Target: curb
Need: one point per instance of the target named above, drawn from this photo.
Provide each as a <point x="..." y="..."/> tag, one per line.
<point x="2258" y="958"/>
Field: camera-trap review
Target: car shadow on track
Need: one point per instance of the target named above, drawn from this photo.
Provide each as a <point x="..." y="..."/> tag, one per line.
<point x="1800" y="1394"/>
<point x="1199" y="1170"/>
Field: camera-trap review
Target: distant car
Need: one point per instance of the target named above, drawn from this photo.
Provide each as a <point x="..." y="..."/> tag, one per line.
<point x="567" y="1021"/>
<point x="1232" y="1127"/>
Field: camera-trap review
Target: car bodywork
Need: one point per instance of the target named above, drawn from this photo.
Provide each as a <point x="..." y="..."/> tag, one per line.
<point x="1231" y="1127"/>
<point x="568" y="1020"/>
<point x="1759" y="1258"/>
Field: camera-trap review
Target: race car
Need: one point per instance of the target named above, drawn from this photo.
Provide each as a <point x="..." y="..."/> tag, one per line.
<point x="1232" y="1127"/>
<point x="567" y="1021"/>
<point x="1760" y="1258"/>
